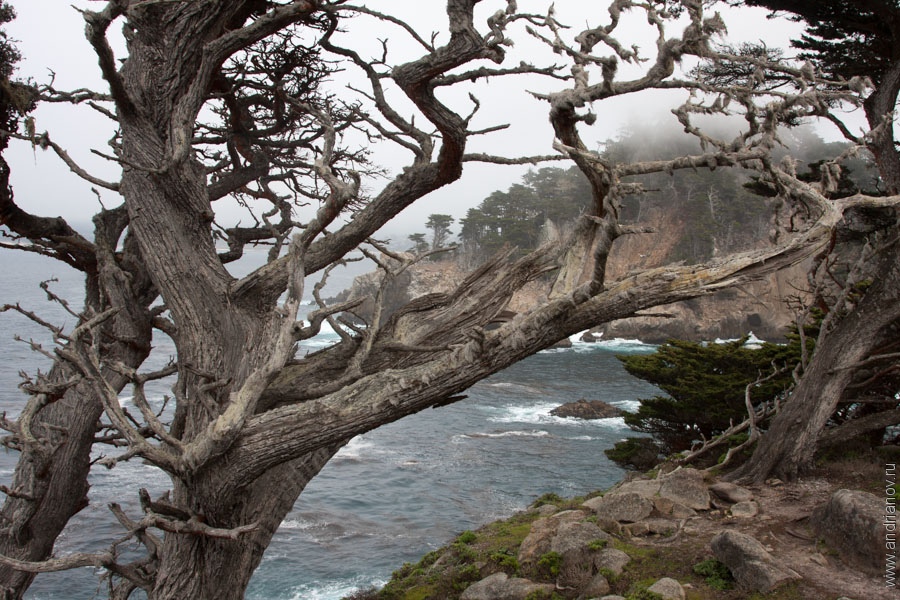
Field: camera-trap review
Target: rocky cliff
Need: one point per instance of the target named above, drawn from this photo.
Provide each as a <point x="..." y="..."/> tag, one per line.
<point x="759" y="307"/>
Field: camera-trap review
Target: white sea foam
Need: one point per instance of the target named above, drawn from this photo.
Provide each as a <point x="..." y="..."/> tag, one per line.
<point x="613" y="423"/>
<point x="356" y="449"/>
<point x="298" y="524"/>
<point x="628" y="405"/>
<point x="626" y="345"/>
<point x="332" y="590"/>
<point x="533" y="413"/>
<point x="753" y="342"/>
<point x="539" y="414"/>
<point x="615" y="345"/>
<point x="506" y="434"/>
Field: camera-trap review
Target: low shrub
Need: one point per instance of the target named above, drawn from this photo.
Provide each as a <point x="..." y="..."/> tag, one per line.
<point x="715" y="573"/>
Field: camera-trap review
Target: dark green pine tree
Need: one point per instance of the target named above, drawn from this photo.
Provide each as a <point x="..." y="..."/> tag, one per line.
<point x="844" y="38"/>
<point x="705" y="386"/>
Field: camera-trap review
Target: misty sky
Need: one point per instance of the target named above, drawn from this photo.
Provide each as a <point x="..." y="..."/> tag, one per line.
<point x="51" y="38"/>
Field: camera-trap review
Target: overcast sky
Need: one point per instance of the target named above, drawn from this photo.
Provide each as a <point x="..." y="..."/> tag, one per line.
<point x="51" y="37"/>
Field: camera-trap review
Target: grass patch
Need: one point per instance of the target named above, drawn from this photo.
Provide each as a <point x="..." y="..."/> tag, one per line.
<point x="467" y="537"/>
<point x="445" y="573"/>
<point x="597" y="545"/>
<point x="548" y="565"/>
<point x="715" y="574"/>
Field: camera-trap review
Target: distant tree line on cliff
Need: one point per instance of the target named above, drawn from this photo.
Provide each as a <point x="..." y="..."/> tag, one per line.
<point x="728" y="209"/>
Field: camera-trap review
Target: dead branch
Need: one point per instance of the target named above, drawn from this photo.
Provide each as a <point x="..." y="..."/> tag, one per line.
<point x="99" y="560"/>
<point x="46" y="142"/>
<point x="503" y="160"/>
<point x="31" y="316"/>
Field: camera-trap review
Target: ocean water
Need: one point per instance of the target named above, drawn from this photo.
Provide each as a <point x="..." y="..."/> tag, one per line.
<point x="390" y="495"/>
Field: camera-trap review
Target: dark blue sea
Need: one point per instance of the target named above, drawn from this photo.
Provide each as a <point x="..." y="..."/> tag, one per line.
<point x="389" y="496"/>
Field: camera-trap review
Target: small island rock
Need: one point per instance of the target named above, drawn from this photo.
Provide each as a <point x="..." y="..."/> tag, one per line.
<point x="587" y="409"/>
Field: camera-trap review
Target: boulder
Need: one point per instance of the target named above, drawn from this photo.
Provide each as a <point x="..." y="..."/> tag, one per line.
<point x="628" y="507"/>
<point x="573" y="543"/>
<point x="685" y="487"/>
<point x="680" y="511"/>
<point x="668" y="588"/>
<point x="648" y="488"/>
<point x="731" y="492"/>
<point x="587" y="409"/>
<point x="539" y="540"/>
<point x="745" y="510"/>
<point x="637" y="529"/>
<point x="853" y="524"/>
<point x="596" y="587"/>
<point x="749" y="562"/>
<point x="500" y="586"/>
<point x="589" y="337"/>
<point x="575" y="537"/>
<point x="662" y="526"/>
<point x="611" y="559"/>
<point x="669" y="508"/>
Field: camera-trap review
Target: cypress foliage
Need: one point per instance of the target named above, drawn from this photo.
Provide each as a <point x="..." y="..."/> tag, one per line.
<point x="705" y="386"/>
<point x="844" y="38"/>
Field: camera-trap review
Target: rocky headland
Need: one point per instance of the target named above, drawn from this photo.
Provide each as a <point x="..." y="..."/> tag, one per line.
<point x="759" y="307"/>
<point x="679" y="535"/>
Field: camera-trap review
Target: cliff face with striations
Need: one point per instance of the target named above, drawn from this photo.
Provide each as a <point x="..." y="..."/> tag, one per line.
<point x="759" y="307"/>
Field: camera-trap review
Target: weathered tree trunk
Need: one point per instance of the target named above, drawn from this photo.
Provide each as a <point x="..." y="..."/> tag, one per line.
<point x="205" y="567"/>
<point x="788" y="447"/>
<point x="49" y="485"/>
<point x="879" y="108"/>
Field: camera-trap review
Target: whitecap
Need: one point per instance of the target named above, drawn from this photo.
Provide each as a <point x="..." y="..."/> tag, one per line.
<point x="753" y="342"/>
<point x="613" y="423"/>
<point x="505" y="434"/>
<point x="533" y="413"/>
<point x="626" y="345"/>
<point x="298" y="524"/>
<point x="332" y="590"/>
<point x="358" y="448"/>
<point x="621" y="345"/>
<point x="628" y="405"/>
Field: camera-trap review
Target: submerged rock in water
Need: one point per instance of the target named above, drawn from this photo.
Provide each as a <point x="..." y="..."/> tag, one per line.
<point x="587" y="409"/>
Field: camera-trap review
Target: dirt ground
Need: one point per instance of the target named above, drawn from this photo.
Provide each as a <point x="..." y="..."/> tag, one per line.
<point x="782" y="527"/>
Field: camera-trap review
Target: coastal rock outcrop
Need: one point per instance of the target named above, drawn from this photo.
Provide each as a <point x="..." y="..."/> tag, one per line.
<point x="645" y="528"/>
<point x="587" y="409"/>
<point x="678" y="494"/>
